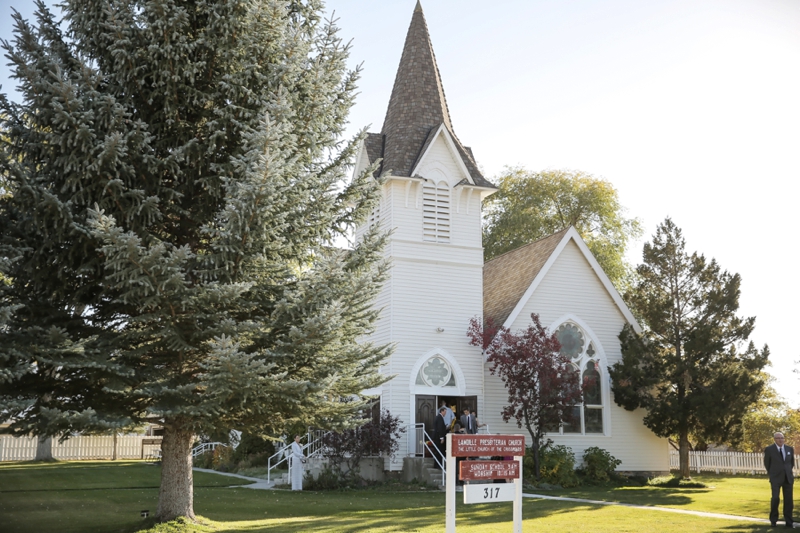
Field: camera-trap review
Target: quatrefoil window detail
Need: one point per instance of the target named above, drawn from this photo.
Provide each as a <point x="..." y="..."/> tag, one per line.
<point x="436" y="372"/>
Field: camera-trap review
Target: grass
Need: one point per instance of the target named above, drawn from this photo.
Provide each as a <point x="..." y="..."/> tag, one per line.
<point x="739" y="495"/>
<point x="106" y="497"/>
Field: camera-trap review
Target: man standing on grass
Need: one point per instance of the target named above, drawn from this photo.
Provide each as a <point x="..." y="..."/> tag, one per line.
<point x="779" y="462"/>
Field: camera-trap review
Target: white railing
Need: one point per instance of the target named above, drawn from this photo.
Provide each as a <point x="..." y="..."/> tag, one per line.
<point x="417" y="437"/>
<point x="82" y="447"/>
<point x="313" y="448"/>
<point x="727" y="462"/>
<point x="421" y="444"/>
<point x="200" y="449"/>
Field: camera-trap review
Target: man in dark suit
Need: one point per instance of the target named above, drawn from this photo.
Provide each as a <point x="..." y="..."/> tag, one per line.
<point x="469" y="423"/>
<point x="439" y="432"/>
<point x="779" y="462"/>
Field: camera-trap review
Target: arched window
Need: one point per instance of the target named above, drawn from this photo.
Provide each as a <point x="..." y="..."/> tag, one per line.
<point x="436" y="372"/>
<point x="585" y="418"/>
<point x="436" y="212"/>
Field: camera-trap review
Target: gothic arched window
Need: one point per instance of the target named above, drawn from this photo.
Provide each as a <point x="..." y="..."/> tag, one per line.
<point x="585" y="418"/>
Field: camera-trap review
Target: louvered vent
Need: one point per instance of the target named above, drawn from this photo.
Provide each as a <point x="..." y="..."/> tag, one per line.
<point x="436" y="212"/>
<point x="375" y="215"/>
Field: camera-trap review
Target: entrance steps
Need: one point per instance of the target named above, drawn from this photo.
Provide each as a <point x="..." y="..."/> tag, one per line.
<point x="422" y="469"/>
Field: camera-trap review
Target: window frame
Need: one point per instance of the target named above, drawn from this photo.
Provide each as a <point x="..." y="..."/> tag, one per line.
<point x="580" y="366"/>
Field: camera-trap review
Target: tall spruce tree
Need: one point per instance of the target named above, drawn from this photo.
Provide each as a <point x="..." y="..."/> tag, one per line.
<point x="688" y="369"/>
<point x="173" y="180"/>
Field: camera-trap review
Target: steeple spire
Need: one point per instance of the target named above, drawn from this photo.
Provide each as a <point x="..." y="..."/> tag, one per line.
<point x="417" y="103"/>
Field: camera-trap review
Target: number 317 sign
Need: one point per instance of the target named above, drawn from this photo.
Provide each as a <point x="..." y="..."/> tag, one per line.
<point x="479" y="475"/>
<point x="502" y="492"/>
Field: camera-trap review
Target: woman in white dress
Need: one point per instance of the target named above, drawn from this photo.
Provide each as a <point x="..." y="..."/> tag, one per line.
<point x="297" y="464"/>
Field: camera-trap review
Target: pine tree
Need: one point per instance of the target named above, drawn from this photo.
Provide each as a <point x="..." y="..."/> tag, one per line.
<point x="173" y="182"/>
<point x="688" y="369"/>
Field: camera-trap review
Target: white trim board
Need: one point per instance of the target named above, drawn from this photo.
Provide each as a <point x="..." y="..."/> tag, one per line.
<point x="442" y="130"/>
<point x="572" y="234"/>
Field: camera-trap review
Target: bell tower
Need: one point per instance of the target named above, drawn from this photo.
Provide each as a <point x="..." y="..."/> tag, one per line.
<point x="431" y="201"/>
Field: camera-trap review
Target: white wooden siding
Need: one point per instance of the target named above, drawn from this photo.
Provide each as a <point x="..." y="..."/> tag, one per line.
<point x="570" y="287"/>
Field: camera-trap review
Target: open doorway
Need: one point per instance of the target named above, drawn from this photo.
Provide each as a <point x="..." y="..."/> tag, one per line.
<point x="427" y="406"/>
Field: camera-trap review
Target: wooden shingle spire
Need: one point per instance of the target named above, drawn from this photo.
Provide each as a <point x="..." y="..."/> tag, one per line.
<point x="417" y="104"/>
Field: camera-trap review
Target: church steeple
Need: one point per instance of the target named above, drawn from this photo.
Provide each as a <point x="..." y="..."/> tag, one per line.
<point x="417" y="110"/>
<point x="418" y="103"/>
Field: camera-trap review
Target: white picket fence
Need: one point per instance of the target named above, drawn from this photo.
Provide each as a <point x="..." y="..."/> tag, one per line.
<point x="82" y="447"/>
<point x="727" y="462"/>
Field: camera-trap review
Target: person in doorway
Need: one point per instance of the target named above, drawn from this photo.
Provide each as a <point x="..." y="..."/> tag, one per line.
<point x="478" y="424"/>
<point x="297" y="461"/>
<point x="439" y="433"/>
<point x="449" y="416"/>
<point x="469" y="423"/>
<point x="779" y="462"/>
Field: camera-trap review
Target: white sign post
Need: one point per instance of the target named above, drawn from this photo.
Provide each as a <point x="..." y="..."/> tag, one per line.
<point x="484" y="445"/>
<point x="450" y="486"/>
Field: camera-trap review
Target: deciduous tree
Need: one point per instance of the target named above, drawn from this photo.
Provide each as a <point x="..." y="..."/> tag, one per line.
<point x="691" y="369"/>
<point x="542" y="385"/>
<point x="769" y="414"/>
<point x="531" y="205"/>
<point x="175" y="180"/>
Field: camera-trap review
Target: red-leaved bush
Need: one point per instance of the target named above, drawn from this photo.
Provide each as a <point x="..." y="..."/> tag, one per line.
<point x="543" y="386"/>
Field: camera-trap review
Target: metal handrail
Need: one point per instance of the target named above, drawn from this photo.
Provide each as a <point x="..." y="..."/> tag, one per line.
<point x="205" y="447"/>
<point x="280" y="452"/>
<point x="419" y="432"/>
<point x="314" y="436"/>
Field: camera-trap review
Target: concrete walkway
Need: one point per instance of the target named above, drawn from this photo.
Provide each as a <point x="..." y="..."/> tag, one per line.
<point x="258" y="483"/>
<point x="653" y="508"/>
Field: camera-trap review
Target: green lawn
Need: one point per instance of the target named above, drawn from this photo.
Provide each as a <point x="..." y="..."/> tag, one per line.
<point x="106" y="497"/>
<point x="739" y="495"/>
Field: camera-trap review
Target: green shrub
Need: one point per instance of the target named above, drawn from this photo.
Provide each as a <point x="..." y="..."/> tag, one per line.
<point x="676" y="482"/>
<point x="556" y="466"/>
<point x="598" y="464"/>
<point x="204" y="460"/>
<point x="253" y="445"/>
<point x="329" y="479"/>
<point x="222" y="459"/>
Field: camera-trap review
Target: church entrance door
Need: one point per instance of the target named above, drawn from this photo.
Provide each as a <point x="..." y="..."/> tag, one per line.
<point x="427" y="407"/>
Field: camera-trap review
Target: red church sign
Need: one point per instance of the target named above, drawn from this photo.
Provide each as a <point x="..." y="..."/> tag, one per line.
<point x="487" y="445"/>
<point x="477" y="470"/>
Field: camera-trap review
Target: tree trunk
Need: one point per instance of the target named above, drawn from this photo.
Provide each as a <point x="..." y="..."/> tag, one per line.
<point x="537" y="469"/>
<point x="114" y="453"/>
<point x="44" y="449"/>
<point x="176" y="496"/>
<point x="683" y="454"/>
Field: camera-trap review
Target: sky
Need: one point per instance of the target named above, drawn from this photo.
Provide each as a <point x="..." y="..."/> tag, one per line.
<point x="690" y="108"/>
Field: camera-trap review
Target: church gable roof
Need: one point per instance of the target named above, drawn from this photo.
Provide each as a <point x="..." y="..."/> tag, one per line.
<point x="418" y="107"/>
<point x="508" y="276"/>
<point x="509" y="280"/>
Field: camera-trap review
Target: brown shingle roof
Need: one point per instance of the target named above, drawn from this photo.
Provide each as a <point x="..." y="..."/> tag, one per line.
<point x="418" y="106"/>
<point x="373" y="142"/>
<point x="508" y="276"/>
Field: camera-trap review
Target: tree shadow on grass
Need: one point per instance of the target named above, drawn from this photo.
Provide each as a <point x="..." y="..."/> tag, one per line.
<point x="751" y="528"/>
<point x="314" y="515"/>
<point x="647" y="497"/>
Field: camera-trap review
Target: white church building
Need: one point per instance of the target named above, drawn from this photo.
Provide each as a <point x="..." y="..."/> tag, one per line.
<point x="431" y="201"/>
